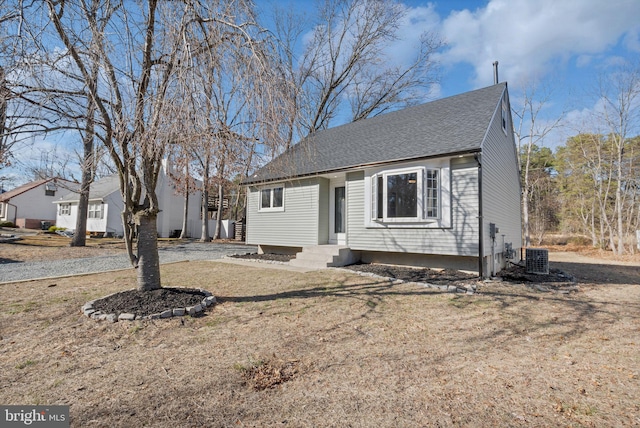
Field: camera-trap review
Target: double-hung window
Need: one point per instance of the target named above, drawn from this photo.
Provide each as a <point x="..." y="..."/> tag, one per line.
<point x="95" y="210"/>
<point x="272" y="198"/>
<point x="407" y="197"/>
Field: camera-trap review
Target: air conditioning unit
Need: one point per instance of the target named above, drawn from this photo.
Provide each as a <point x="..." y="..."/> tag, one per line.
<point x="537" y="261"/>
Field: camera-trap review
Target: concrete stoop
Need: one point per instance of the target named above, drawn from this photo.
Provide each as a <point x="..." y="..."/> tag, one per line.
<point x="323" y="256"/>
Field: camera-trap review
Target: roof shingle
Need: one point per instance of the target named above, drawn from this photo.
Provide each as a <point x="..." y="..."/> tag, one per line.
<point x="98" y="190"/>
<point x="456" y="124"/>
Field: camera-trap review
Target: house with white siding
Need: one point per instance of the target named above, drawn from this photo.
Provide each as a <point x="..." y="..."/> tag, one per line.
<point x="29" y="205"/>
<point x="433" y="185"/>
<point x="104" y="214"/>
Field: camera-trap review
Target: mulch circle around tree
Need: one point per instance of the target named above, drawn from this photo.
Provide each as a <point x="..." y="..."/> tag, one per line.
<point x="160" y="303"/>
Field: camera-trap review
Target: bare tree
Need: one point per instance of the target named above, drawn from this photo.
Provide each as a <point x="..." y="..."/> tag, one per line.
<point x="79" y="238"/>
<point x="17" y="120"/>
<point x="346" y="63"/>
<point x="182" y="180"/>
<point x="531" y="132"/>
<point x="129" y="104"/>
<point x="619" y="92"/>
<point x="236" y="103"/>
<point x="587" y="164"/>
<point x="139" y="62"/>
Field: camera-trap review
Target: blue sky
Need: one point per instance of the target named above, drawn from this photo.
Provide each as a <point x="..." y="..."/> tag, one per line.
<point x="568" y="41"/>
<point x="562" y="44"/>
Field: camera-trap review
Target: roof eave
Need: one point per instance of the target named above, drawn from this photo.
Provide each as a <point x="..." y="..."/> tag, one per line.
<point x="356" y="167"/>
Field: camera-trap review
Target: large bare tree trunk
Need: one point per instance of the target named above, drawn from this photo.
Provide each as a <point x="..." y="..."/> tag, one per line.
<point x="525" y="202"/>
<point x="205" y="216"/>
<point x="185" y="216"/>
<point x="204" y="237"/>
<point x="148" y="262"/>
<point x="80" y="236"/>
<point x="619" y="200"/>
<point x="219" y="213"/>
<point x="4" y="94"/>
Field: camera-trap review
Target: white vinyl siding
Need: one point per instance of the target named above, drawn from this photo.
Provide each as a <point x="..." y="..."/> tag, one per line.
<point x="298" y="225"/>
<point x="459" y="239"/>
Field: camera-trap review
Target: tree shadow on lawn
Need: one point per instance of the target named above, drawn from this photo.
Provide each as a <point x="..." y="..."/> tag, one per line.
<point x="601" y="273"/>
<point x="574" y="314"/>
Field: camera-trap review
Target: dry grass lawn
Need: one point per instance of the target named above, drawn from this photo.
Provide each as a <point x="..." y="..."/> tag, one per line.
<point x="326" y="348"/>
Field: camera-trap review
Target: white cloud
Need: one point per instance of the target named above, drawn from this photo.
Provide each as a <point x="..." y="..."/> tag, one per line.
<point x="416" y="21"/>
<point x="528" y="36"/>
<point x="632" y="40"/>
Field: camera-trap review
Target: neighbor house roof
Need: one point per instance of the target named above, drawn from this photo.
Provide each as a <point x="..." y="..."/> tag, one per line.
<point x="99" y="190"/>
<point x="452" y="125"/>
<point x="25" y="188"/>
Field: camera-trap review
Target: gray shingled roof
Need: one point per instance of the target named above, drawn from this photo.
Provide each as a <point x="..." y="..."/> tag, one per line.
<point x="452" y="125"/>
<point x="98" y="191"/>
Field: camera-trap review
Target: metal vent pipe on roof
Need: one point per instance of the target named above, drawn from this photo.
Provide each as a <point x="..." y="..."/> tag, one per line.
<point x="495" y="73"/>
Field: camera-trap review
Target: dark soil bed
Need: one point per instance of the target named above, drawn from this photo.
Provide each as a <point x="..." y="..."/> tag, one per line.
<point x="517" y="273"/>
<point x="268" y="257"/>
<point x="555" y="281"/>
<point x="143" y="303"/>
<point x="410" y="274"/>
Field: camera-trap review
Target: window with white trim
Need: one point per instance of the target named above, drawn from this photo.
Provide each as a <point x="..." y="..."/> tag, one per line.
<point x="272" y="198"/>
<point x="417" y="195"/>
<point x="405" y="195"/>
<point x="1" y="209"/>
<point x="95" y="210"/>
<point x="64" y="209"/>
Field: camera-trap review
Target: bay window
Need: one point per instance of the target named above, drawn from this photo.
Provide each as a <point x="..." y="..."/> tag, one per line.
<point x="407" y="196"/>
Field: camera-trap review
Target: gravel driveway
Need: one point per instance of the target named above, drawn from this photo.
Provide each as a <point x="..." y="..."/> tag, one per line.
<point x="20" y="271"/>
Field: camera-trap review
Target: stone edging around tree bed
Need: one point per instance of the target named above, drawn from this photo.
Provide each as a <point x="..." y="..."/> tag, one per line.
<point x="91" y="312"/>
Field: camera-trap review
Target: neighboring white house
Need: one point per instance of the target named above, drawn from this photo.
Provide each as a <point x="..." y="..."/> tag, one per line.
<point x="31" y="204"/>
<point x="106" y="205"/>
<point x="436" y="185"/>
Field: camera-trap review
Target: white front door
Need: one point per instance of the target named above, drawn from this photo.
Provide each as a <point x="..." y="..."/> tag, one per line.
<point x="338" y="212"/>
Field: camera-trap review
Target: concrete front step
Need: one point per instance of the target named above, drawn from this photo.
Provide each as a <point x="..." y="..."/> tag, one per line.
<point x="322" y="256"/>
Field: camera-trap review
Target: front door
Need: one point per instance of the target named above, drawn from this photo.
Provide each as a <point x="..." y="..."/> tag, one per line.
<point x="338" y="213"/>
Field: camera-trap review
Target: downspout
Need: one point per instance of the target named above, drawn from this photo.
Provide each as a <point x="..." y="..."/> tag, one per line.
<point x="477" y="157"/>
